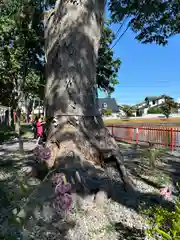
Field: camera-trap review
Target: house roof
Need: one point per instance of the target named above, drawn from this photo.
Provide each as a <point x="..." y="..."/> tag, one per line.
<point x="152" y="98"/>
<point x="111" y="103"/>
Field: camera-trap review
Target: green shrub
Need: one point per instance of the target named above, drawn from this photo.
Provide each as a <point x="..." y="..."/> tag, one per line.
<point x="107" y="112"/>
<point x="164" y="224"/>
<point x="155" y="110"/>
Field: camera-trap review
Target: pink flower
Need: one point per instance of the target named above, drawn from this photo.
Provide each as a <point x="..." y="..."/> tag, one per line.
<point x="62" y="188"/>
<point x="163" y="191"/>
<point x="45" y="153"/>
<point x="63" y="199"/>
<point x="42" y="153"/>
<point x="58" y="178"/>
<point x="166" y="193"/>
<point x="67" y="188"/>
<point x="67" y="201"/>
<point x="62" y="203"/>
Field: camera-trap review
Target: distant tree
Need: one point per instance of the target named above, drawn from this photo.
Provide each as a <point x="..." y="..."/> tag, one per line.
<point x="169" y="106"/>
<point x="128" y="110"/>
<point x="21" y="68"/>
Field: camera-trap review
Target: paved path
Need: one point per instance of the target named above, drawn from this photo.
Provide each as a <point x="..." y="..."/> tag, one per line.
<point x="13" y="146"/>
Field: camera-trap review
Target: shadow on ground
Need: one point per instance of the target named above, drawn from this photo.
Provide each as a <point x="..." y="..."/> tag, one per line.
<point x="128" y="233"/>
<point x="20" y="192"/>
<point x="7" y="133"/>
<point x="38" y="217"/>
<point x="166" y="171"/>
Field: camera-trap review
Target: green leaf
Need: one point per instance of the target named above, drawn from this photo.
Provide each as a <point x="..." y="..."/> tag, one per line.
<point x="107" y="65"/>
<point x="151" y="21"/>
<point x="165" y="235"/>
<point x="23" y="188"/>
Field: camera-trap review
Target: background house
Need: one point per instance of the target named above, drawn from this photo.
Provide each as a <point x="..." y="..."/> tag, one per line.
<point x="150" y="101"/>
<point x="108" y="103"/>
<point x="140" y="108"/>
<point x="155" y="101"/>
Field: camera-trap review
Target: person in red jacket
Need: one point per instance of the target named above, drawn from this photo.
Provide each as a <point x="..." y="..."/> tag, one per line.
<point x="15" y="117"/>
<point x="40" y="129"/>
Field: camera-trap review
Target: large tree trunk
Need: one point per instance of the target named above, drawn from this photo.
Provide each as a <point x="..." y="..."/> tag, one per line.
<point x="72" y="41"/>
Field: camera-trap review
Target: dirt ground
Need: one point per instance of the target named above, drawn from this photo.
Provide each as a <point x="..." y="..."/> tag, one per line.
<point x="119" y="217"/>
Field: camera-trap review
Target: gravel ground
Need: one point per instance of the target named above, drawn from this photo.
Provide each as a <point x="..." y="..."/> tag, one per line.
<point x="110" y="220"/>
<point x="111" y="214"/>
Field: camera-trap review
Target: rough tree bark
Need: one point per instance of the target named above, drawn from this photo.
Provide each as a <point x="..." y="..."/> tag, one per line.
<point x="72" y="36"/>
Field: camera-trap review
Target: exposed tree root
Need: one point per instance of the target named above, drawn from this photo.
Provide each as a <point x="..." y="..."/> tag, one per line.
<point x="93" y="144"/>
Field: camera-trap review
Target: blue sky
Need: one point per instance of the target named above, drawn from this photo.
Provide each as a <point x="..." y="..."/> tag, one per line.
<point x="146" y="70"/>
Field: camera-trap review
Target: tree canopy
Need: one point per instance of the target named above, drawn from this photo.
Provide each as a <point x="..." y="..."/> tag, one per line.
<point x="107" y="65"/>
<point x="169" y="106"/>
<point x="21" y="49"/>
<point x="151" y="20"/>
<point x="128" y="110"/>
<point x="22" y="40"/>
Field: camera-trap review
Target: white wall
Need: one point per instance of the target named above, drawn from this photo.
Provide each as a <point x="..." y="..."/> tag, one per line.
<point x="160" y="101"/>
<point x="145" y="111"/>
<point x="157" y="102"/>
<point x="174" y="115"/>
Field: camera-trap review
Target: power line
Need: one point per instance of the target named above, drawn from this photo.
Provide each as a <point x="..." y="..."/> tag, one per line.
<point x="119" y="38"/>
<point x="116" y="34"/>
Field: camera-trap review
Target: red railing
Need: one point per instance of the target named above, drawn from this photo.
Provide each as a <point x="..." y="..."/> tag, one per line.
<point x="160" y="136"/>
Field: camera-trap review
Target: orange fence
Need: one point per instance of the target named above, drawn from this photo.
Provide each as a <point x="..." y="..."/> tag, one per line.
<point x="160" y="136"/>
